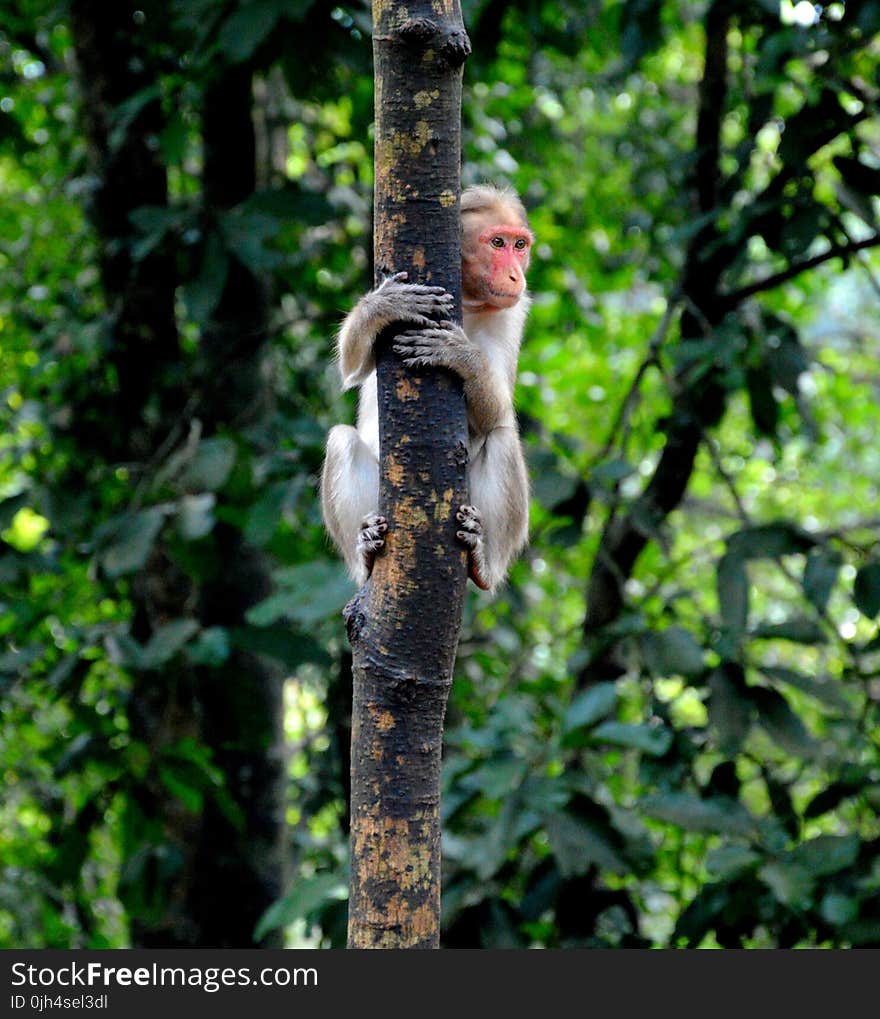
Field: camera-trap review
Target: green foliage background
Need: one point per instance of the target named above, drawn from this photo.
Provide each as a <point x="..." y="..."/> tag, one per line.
<point x="692" y="762"/>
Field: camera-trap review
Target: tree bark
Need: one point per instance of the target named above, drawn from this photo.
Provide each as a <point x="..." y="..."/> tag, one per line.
<point x="404" y="624"/>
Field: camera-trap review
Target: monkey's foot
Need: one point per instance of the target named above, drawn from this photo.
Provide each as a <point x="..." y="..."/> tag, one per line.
<point x="471" y="535"/>
<point x="371" y="539"/>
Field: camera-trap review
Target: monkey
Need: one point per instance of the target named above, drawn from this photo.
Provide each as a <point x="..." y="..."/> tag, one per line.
<point x="496" y="244"/>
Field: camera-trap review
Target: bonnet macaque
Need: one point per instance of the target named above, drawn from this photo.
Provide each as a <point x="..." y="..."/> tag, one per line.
<point x="495" y="250"/>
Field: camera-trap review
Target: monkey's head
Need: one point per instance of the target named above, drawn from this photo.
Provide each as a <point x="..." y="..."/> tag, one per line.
<point x="495" y="246"/>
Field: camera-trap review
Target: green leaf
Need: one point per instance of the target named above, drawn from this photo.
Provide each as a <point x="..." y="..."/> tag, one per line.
<point x="769" y="541"/>
<point x="487" y="855"/>
<point x="195" y="516"/>
<point x="820" y="575"/>
<point x="247" y="27"/>
<point x="762" y="402"/>
<point x="263" y="516"/>
<point x="827" y="854"/>
<point x="9" y="507"/>
<point x="672" y="652"/>
<point x="167" y="641"/>
<point x="861" y="932"/>
<point x="210" y="648"/>
<point x="202" y="295"/>
<point x="590" y="706"/>
<point x="731" y="860"/>
<point x="498" y="777"/>
<point x="132" y="542"/>
<point x="80" y="748"/>
<point x="210" y="466"/>
<point x="732" y="584"/>
<point x="306" y="896"/>
<point x="578" y="844"/>
<point x="856" y="191"/>
<point x="309" y="593"/>
<point x="653" y="740"/>
<point x="702" y="913"/>
<point x="124" y="650"/>
<point x="729" y="707"/>
<point x="173" y="139"/>
<point x="838" y="909"/>
<point x="789" y="882"/>
<point x="781" y="724"/>
<point x="827" y="691"/>
<point x="786" y="358"/>
<point x="611" y="473"/>
<point x="831" y="797"/>
<point x="799" y="629"/>
<point x="866" y="590"/>
<point x="190" y="796"/>
<point x="281" y="642"/>
<point x="693" y="814"/>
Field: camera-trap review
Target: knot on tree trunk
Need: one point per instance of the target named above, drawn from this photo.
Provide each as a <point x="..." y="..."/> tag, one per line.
<point x="460" y="455"/>
<point x="354" y="616"/>
<point x="456" y="48"/>
<point x="452" y="45"/>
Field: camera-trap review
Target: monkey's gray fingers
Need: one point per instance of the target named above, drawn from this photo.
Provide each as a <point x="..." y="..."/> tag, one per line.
<point x="471" y="536"/>
<point x="371" y="534"/>
<point x="420" y="348"/>
<point x="429" y="301"/>
<point x="470" y="519"/>
<point x="427" y="339"/>
<point x="426" y="290"/>
<point x="405" y="303"/>
<point x="371" y="539"/>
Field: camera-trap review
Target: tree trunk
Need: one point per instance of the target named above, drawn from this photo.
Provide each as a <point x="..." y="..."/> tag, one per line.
<point x="404" y="624"/>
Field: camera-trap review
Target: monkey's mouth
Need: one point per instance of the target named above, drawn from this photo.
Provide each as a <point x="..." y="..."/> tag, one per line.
<point x="502" y="299"/>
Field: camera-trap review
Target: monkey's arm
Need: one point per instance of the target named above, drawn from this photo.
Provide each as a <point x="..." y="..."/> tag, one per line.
<point x="392" y="301"/>
<point x="486" y="386"/>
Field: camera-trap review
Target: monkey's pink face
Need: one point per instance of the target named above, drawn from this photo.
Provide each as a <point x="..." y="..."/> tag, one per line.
<point x="495" y="258"/>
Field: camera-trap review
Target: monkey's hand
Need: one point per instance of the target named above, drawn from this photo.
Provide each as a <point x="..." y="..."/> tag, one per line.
<point x="394" y="300"/>
<point x="447" y="345"/>
<point x="471" y="535"/>
<point x="440" y="345"/>
<point x="371" y="539"/>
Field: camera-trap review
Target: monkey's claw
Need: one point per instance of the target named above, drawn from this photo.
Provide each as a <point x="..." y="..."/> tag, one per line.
<point x="471" y="536"/>
<point x="471" y="525"/>
<point x="371" y="538"/>
<point x="423" y="347"/>
<point x="414" y="302"/>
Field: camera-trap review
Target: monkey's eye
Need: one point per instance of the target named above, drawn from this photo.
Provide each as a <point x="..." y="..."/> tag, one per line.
<point x="520" y="244"/>
<point x="497" y="242"/>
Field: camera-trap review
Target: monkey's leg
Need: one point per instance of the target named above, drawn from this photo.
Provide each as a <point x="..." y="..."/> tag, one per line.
<point x="471" y="534"/>
<point x="499" y="487"/>
<point x="349" y="496"/>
